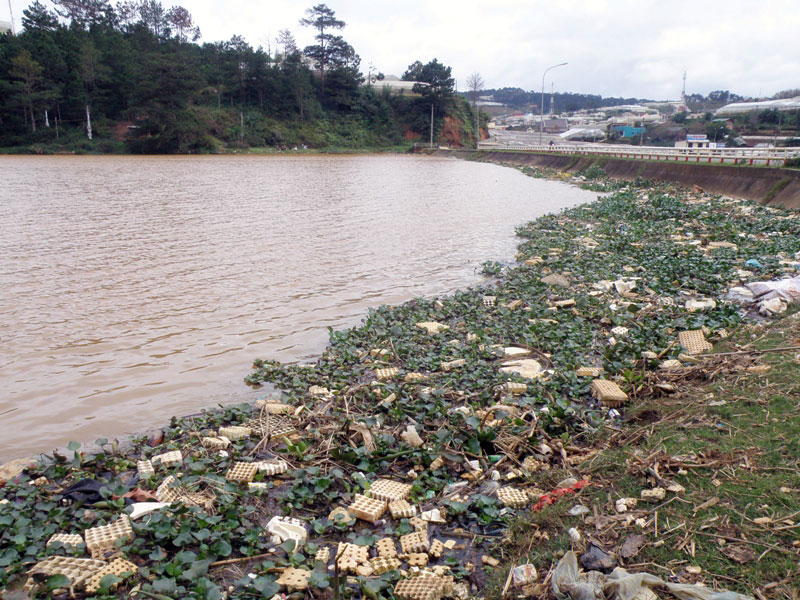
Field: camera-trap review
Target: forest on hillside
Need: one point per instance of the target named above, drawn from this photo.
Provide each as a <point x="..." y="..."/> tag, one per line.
<point x="92" y="76"/>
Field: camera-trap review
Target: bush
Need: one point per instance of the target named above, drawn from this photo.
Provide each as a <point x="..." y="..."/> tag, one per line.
<point x="792" y="162"/>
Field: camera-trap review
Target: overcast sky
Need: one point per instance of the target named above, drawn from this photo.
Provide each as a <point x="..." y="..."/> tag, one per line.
<point x="614" y="47"/>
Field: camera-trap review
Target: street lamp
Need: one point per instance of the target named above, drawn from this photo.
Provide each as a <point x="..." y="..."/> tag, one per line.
<point x="541" y="116"/>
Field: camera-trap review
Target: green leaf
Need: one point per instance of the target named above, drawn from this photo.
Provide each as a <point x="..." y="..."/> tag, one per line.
<point x="266" y="586"/>
<point x="319" y="580"/>
<point x="222" y="548"/>
<point x="197" y="570"/>
<point x="108" y="581"/>
<point x="73" y="446"/>
<point x="57" y="581"/>
<point x="157" y="555"/>
<point x="165" y="586"/>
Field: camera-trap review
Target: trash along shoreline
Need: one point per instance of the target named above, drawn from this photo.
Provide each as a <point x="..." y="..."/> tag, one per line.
<point x="428" y="442"/>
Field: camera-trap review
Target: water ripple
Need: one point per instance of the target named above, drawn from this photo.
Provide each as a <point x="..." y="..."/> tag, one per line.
<point x="135" y="288"/>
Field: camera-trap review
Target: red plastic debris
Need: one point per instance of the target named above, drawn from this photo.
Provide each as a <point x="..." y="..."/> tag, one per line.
<point x="551" y="497"/>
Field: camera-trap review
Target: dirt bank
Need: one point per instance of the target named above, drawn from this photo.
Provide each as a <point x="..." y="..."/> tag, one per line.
<point x="778" y="187"/>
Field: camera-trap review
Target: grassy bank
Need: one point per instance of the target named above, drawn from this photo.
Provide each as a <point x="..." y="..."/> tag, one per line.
<point x="425" y="393"/>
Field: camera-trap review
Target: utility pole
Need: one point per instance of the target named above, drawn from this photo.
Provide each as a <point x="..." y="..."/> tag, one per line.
<point x="10" y="12"/>
<point x="541" y="113"/>
<point x="431" y="125"/>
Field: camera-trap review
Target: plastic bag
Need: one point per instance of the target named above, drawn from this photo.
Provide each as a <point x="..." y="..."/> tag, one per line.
<point x="569" y="582"/>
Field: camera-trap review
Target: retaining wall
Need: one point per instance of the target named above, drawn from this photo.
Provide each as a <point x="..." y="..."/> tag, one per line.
<point x="775" y="186"/>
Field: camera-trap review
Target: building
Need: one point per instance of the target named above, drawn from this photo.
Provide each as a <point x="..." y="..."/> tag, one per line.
<point x="745" y="107"/>
<point x="628" y="132"/>
<point x="553" y="125"/>
<point x="586" y="134"/>
<point x="694" y="141"/>
<point x="394" y="84"/>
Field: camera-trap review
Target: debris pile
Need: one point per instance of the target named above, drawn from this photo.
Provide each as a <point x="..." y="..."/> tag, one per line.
<point x="398" y="461"/>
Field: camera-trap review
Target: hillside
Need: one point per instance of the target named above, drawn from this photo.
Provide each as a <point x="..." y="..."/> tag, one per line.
<point x="131" y="78"/>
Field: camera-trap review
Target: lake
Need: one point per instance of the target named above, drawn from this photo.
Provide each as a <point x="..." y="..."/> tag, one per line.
<point x="137" y="288"/>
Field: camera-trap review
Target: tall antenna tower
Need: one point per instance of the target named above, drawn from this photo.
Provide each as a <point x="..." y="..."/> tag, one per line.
<point x="683" y="92"/>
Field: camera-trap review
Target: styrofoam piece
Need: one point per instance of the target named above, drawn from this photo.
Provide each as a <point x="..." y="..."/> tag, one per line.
<point x="389" y="490"/>
<point x="510" y="496"/>
<point x="145" y="469"/>
<point x="515" y="388"/>
<point x="453" y="364"/>
<point x="432" y="327"/>
<point x="589" y="371"/>
<point x="168" y="459"/>
<point x="77" y="570"/>
<point x="383" y="564"/>
<point x="411" y="437"/>
<point x="67" y="539"/>
<point x="318" y="390"/>
<point x="419" y="524"/>
<point x="387" y="373"/>
<point x="274" y="407"/>
<point x="400" y="509"/>
<point x="323" y="555"/>
<point x="350" y="556"/>
<point x="694" y="341"/>
<point x="140" y="509"/>
<point x="414" y="377"/>
<point x="235" y="432"/>
<point x="414" y="542"/>
<point x="436" y="549"/>
<point x="286" y="528"/>
<point x="294" y="580"/>
<point x="116" y="567"/>
<point x="215" y="443"/>
<point x="102" y="539"/>
<point x="368" y="509"/>
<point x="386" y="548"/>
<point x="270" y="425"/>
<point x="489" y="301"/>
<point x="418" y="588"/>
<point x="166" y="492"/>
<point x="242" y="472"/>
<point x="417" y="559"/>
<point x="608" y="392"/>
<point x="526" y="367"/>
<point x="257" y="487"/>
<point x="433" y="515"/>
<point x="272" y="468"/>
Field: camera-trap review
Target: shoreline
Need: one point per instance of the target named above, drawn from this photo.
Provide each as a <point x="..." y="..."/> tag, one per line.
<point x="419" y="385"/>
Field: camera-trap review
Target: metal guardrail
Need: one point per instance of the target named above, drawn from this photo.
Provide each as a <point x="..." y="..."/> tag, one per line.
<point x="734" y="156"/>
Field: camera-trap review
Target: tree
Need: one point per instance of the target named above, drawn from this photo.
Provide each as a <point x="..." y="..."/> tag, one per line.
<point x="37" y="18"/>
<point x="286" y="42"/>
<point x="28" y="88"/>
<point x="153" y="15"/>
<point x="323" y="19"/>
<point x="181" y="22"/>
<point x="475" y="84"/>
<point x="435" y="83"/>
<point x="344" y="75"/>
<point x="86" y="13"/>
<point x="413" y="71"/>
<point x="128" y="11"/>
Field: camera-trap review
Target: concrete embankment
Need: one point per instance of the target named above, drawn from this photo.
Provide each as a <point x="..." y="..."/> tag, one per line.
<point x="774" y="186"/>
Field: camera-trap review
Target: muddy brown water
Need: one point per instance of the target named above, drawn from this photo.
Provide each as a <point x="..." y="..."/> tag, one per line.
<point x="137" y="288"/>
